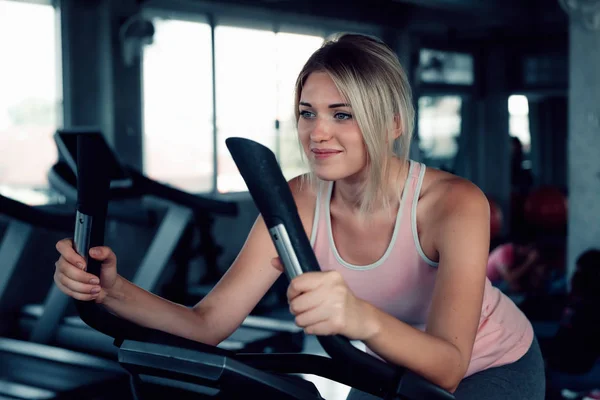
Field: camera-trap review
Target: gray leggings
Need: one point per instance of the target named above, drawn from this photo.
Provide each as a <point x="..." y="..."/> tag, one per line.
<point x="522" y="380"/>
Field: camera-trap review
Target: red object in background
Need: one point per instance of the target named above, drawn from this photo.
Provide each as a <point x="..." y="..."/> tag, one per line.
<point x="546" y="207"/>
<point x="496" y="219"/>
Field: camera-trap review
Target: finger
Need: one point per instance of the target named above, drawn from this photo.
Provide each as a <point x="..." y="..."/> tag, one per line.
<point x="67" y="242"/>
<point x="307" y="301"/>
<point x="75" y="274"/>
<point x="105" y="255"/>
<point x="323" y="328"/>
<point x="276" y="262"/>
<point x="77" y="296"/>
<point x="66" y="250"/>
<point x="311" y="317"/>
<point x="304" y="283"/>
<point x="77" y="287"/>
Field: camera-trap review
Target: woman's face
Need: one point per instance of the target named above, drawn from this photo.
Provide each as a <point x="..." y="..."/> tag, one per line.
<point x="329" y="133"/>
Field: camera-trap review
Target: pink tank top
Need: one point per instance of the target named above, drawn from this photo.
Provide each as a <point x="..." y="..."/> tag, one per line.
<point x="401" y="282"/>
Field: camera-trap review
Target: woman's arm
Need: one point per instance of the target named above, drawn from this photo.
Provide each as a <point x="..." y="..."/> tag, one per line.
<point x="252" y="273"/>
<point x="218" y="314"/>
<point x="442" y="353"/>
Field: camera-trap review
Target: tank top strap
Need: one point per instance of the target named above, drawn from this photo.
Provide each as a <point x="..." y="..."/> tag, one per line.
<point x="415" y="189"/>
<point x="411" y="186"/>
<point x="322" y="196"/>
<point x="412" y="200"/>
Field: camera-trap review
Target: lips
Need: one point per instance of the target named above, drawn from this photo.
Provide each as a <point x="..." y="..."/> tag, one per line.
<point x="325" y="151"/>
<point x="324" y="154"/>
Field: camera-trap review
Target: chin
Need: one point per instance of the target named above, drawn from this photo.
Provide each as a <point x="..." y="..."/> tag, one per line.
<point x="324" y="173"/>
<point x="331" y="173"/>
<point x="326" y="177"/>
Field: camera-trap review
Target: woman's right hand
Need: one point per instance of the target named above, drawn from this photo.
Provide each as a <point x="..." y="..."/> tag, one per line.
<point x="73" y="280"/>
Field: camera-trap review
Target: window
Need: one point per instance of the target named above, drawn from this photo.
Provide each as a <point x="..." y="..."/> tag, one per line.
<point x="439" y="129"/>
<point x="292" y="52"/>
<point x="246" y="95"/>
<point x="30" y="99"/>
<point x="442" y="67"/>
<point x="178" y="105"/>
<point x="518" y="110"/>
<point x="255" y="75"/>
<point x="518" y="123"/>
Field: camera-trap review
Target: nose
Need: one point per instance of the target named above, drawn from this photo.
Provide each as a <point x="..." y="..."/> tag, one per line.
<point x="321" y="131"/>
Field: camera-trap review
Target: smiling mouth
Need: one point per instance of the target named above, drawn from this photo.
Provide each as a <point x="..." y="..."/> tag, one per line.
<point x="327" y="151"/>
<point x="324" y="154"/>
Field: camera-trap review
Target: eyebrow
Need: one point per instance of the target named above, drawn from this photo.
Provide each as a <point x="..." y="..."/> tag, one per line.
<point x="335" y="105"/>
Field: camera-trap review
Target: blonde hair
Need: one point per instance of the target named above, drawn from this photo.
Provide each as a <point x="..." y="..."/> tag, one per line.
<point x="369" y="76"/>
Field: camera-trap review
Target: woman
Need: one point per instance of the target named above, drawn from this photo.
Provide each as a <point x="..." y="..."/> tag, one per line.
<point x="510" y="264"/>
<point x="402" y="248"/>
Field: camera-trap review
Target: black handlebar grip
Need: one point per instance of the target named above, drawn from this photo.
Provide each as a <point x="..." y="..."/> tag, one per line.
<point x="273" y="197"/>
<point x="93" y="185"/>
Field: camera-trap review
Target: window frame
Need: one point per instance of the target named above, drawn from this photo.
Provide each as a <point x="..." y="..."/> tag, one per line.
<point x="245" y="17"/>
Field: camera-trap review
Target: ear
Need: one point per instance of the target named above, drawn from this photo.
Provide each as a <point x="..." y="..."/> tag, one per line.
<point x="397" y="127"/>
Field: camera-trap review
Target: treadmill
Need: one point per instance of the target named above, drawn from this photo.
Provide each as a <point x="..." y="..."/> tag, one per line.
<point x="50" y="324"/>
<point x="42" y="322"/>
<point x="165" y="366"/>
<point x="24" y="252"/>
<point x="34" y="371"/>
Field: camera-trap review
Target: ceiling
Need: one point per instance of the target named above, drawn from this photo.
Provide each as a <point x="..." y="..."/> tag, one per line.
<point x="464" y="18"/>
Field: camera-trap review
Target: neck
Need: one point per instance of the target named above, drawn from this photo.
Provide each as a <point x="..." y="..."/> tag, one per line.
<point x="349" y="192"/>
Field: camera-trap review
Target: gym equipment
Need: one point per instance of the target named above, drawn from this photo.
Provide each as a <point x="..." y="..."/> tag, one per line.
<point x="163" y="365"/>
<point x="28" y="230"/>
<point x="48" y="323"/>
<point x="29" y="370"/>
<point x="43" y="322"/>
<point x="184" y="210"/>
<point x="26" y="250"/>
<point x="35" y="371"/>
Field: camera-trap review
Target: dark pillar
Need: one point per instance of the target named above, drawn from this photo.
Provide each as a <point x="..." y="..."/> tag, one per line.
<point x="492" y="166"/>
<point x="81" y="59"/>
<point x="584" y="131"/>
<point x="99" y="89"/>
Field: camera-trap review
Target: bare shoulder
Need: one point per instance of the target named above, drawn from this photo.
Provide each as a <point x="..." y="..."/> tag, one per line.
<point x="451" y="209"/>
<point x="305" y="196"/>
<point x="445" y="195"/>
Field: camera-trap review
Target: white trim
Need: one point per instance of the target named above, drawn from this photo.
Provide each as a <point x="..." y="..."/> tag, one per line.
<point x="413" y="217"/>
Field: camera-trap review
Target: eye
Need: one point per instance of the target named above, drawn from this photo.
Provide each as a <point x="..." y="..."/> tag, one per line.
<point x="306" y="114"/>
<point x="342" y="116"/>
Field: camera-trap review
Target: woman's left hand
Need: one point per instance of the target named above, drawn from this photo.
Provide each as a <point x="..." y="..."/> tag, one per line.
<point x="324" y="305"/>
